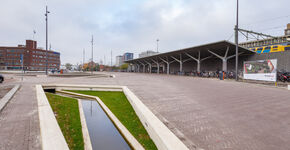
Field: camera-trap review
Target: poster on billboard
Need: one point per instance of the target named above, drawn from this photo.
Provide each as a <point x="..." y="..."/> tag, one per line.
<point x="265" y="70"/>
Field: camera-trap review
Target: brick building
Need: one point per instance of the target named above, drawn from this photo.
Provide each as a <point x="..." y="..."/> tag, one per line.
<point x="33" y="58"/>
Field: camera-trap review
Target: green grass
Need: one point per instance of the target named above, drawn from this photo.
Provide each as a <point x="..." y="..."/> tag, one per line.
<point x="66" y="111"/>
<point x="122" y="109"/>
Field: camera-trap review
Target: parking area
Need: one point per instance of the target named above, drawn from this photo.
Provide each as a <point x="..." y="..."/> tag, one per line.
<point x="203" y="112"/>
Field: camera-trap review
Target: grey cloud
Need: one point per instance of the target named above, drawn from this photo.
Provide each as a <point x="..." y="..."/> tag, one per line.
<point x="133" y="26"/>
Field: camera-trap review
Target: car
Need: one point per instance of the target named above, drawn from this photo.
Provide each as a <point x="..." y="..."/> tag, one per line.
<point x="1" y="78"/>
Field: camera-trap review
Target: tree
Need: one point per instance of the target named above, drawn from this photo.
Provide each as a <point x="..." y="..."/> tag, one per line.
<point x="124" y="67"/>
<point x="68" y="66"/>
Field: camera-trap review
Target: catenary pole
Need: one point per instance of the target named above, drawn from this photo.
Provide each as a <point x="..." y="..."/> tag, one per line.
<point x="237" y="41"/>
<point x="46" y="40"/>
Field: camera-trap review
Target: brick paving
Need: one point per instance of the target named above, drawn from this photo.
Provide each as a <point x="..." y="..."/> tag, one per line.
<point x="4" y="90"/>
<point x="204" y="113"/>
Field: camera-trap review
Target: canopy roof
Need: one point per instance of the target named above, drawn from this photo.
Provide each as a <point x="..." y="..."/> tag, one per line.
<point x="219" y="48"/>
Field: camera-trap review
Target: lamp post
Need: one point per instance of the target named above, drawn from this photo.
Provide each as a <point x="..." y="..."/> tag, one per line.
<point x="157" y="44"/>
<point x="92" y="54"/>
<point x="237" y="41"/>
<point x="46" y="19"/>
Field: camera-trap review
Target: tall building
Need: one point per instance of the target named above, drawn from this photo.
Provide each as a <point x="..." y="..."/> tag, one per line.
<point x="287" y="30"/>
<point x="33" y="58"/>
<point x="128" y="56"/>
<point x="147" y="53"/>
<point x="119" y="60"/>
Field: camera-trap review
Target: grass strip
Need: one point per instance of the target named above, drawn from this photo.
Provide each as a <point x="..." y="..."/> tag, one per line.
<point x="66" y="111"/>
<point x="119" y="105"/>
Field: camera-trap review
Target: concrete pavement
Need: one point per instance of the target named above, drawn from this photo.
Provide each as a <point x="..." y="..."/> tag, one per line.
<point x="207" y="113"/>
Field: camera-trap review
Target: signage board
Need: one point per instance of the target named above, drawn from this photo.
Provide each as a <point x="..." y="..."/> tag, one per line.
<point x="264" y="70"/>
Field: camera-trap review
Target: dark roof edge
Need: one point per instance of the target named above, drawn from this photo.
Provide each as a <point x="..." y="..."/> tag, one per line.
<point x="189" y="48"/>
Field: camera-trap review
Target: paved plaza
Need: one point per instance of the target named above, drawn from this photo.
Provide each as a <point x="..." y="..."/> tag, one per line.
<point x="204" y="113"/>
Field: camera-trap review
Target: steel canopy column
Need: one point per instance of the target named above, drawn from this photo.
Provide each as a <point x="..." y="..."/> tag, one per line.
<point x="143" y="66"/>
<point x="198" y="59"/>
<point x="180" y="63"/>
<point x="224" y="58"/>
<point x="180" y="67"/>
<point x="168" y="68"/>
<point x="225" y="65"/>
<point x="149" y="65"/>
<point x="138" y="68"/>
<point x="168" y="63"/>
<point x="157" y="63"/>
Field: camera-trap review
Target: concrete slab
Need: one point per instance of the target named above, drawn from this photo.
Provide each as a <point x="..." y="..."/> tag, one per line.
<point x="4" y="90"/>
<point x="203" y="113"/>
<point x="19" y="126"/>
<point x="8" y="96"/>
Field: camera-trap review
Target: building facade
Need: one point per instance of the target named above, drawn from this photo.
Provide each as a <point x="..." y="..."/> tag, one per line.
<point x="280" y="40"/>
<point x="287" y="30"/>
<point x="128" y="56"/>
<point x="119" y="60"/>
<point x="147" y="53"/>
<point x="33" y="58"/>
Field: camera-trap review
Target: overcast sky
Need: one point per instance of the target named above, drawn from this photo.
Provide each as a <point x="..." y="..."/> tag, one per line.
<point x="134" y="25"/>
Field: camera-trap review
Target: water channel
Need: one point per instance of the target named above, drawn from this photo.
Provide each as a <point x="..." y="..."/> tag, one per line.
<point x="103" y="133"/>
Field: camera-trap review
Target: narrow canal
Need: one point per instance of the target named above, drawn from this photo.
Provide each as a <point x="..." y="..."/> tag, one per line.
<point x="103" y="133"/>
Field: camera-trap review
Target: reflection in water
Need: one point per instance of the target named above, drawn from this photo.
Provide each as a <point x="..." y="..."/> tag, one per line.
<point x="103" y="133"/>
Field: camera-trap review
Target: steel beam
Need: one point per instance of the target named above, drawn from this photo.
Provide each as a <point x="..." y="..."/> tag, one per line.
<point x="224" y="58"/>
<point x="144" y="65"/>
<point x="157" y="63"/>
<point x="168" y="64"/>
<point x="198" y="60"/>
<point x="180" y="62"/>
<point x="150" y="66"/>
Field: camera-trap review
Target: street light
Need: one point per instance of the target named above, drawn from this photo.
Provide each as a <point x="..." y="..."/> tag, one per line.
<point x="157" y="44"/>
<point x="237" y="41"/>
<point x="46" y="19"/>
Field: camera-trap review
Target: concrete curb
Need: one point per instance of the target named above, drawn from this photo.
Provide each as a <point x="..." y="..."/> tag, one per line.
<point x="123" y="130"/>
<point x="50" y="133"/>
<point x="4" y="101"/>
<point x="86" y="136"/>
<point x="288" y="87"/>
<point x="60" y="87"/>
<point x="160" y="134"/>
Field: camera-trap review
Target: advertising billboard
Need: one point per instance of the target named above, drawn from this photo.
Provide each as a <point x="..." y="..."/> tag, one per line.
<point x="265" y="70"/>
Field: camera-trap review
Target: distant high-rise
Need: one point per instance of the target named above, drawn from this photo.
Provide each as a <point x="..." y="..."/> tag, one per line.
<point x="128" y="56"/>
<point x="147" y="53"/>
<point x="119" y="60"/>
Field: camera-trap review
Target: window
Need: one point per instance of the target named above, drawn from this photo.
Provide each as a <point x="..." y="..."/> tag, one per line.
<point x="275" y="46"/>
<point x="267" y="47"/>
<point x="259" y="49"/>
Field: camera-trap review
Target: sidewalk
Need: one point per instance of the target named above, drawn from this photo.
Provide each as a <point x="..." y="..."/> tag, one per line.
<point x="19" y="123"/>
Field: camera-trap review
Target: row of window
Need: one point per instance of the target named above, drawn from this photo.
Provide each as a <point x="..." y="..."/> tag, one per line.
<point x="40" y="56"/>
<point x="15" y="50"/>
<point x="40" y="64"/>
